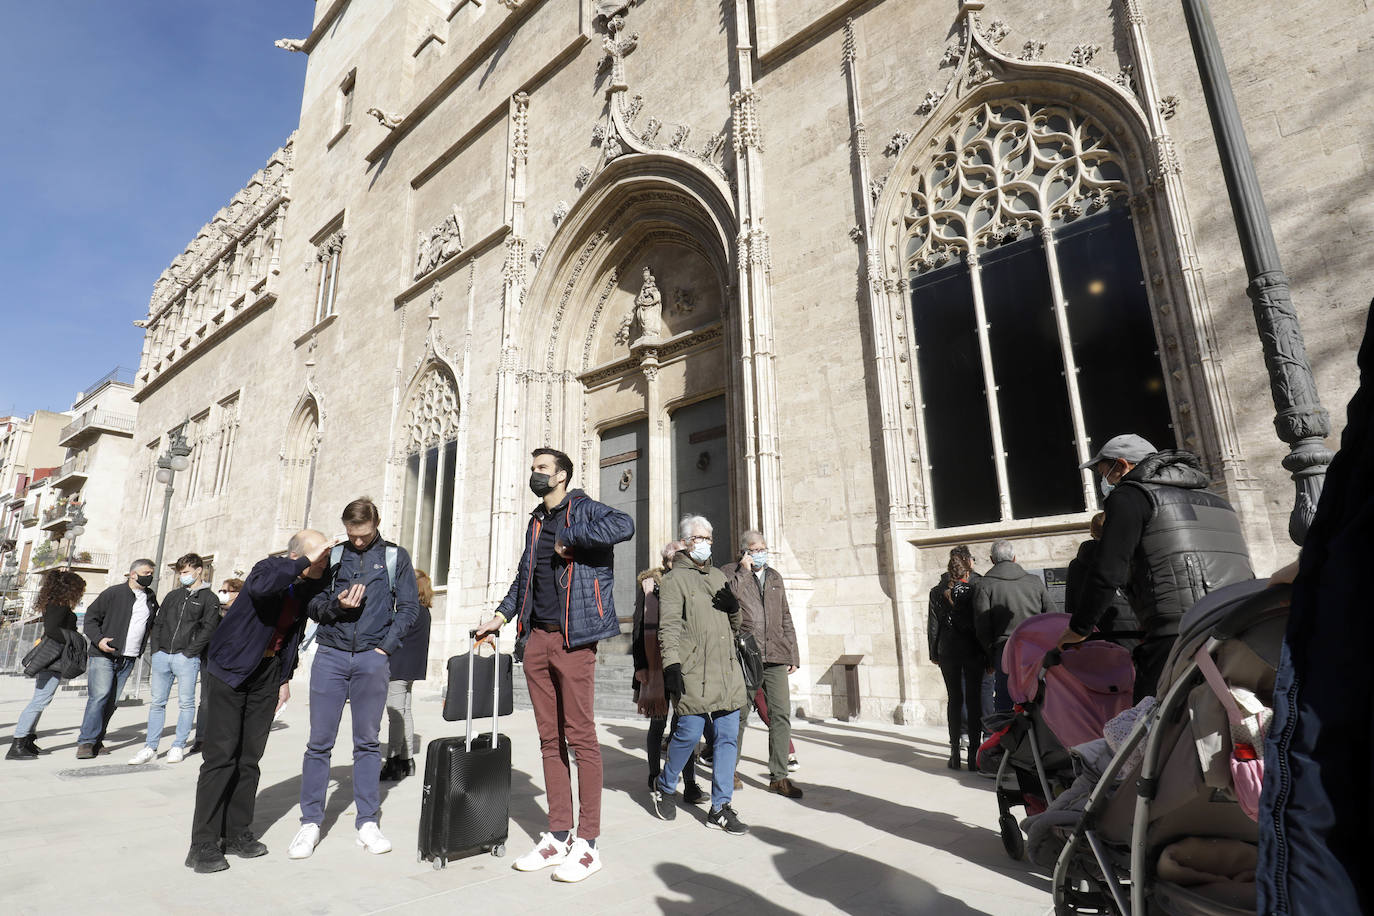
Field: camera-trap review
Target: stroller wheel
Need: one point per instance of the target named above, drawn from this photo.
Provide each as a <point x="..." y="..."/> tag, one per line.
<point x="1012" y="840"/>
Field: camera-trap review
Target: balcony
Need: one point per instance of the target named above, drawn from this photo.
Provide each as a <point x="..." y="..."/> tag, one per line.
<point x="42" y="560"/>
<point x="92" y="423"/>
<point x="72" y="474"/>
<point x="54" y="518"/>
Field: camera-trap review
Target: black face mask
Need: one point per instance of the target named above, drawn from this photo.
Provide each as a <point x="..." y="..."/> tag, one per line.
<point x="540" y="485"/>
<point x="145" y="580"/>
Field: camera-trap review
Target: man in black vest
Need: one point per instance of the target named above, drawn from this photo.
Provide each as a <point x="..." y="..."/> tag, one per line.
<point x="1166" y="543"/>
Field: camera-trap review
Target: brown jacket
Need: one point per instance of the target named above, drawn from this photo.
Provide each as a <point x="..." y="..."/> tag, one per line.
<point x="766" y="617"/>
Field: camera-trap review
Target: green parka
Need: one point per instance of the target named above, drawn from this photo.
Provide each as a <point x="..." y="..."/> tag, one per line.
<point x="693" y="633"/>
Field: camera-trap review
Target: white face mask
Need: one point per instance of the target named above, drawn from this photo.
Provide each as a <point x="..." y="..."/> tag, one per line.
<point x="1105" y="487"/>
<point x="701" y="551"/>
<point x="223" y="597"/>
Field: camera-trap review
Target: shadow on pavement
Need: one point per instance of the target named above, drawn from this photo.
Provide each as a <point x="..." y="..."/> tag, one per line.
<point x="277" y="801"/>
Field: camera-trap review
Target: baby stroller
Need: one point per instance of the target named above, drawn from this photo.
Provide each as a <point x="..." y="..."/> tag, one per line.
<point x="1180" y="843"/>
<point x="1060" y="702"/>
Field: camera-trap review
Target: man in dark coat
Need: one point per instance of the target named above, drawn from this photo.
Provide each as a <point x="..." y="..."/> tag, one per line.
<point x="117" y="624"/>
<point x="1005" y="596"/>
<point x="1166" y="543"/>
<point x="1315" y="829"/>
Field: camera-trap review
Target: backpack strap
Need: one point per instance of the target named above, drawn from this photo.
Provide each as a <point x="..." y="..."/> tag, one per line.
<point x="335" y="558"/>
<point x="391" y="553"/>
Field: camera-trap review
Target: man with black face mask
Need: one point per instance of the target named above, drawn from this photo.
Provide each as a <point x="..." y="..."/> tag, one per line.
<point x="117" y="624"/>
<point x="561" y="598"/>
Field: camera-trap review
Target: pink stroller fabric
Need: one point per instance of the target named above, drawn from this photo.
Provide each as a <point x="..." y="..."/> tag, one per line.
<point x="1089" y="689"/>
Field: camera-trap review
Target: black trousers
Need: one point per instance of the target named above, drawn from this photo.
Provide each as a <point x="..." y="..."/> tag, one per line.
<point x="238" y="720"/>
<point x="964" y="689"/>
<point x="1150" y="658"/>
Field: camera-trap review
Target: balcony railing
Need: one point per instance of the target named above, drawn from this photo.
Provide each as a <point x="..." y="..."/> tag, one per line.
<point x="76" y="464"/>
<point x="29" y="517"/>
<point x="100" y="419"/>
<point x="54" y="516"/>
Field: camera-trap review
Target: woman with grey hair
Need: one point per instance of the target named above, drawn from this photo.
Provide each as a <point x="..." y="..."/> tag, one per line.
<point x="699" y="617"/>
<point x="648" y="678"/>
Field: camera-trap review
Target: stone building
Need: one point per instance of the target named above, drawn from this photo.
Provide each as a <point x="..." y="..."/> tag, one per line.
<point x="871" y="276"/>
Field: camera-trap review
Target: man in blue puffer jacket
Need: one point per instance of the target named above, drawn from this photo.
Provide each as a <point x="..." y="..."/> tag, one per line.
<point x="561" y="598"/>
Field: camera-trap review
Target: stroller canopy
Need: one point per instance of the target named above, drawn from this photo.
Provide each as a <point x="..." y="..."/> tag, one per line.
<point x="1086" y="691"/>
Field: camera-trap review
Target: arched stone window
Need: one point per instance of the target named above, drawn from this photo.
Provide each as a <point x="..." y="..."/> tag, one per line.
<point x="431" y="467"/>
<point x="302" y="447"/>
<point x="1034" y="335"/>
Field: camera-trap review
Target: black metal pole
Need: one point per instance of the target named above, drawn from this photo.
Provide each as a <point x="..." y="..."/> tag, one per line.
<point x="1300" y="419"/>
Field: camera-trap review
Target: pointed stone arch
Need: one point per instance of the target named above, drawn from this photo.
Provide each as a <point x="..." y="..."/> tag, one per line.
<point x="299" y="457"/>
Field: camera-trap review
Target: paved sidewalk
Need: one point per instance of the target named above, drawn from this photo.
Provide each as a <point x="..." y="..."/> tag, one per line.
<point x="884" y="828"/>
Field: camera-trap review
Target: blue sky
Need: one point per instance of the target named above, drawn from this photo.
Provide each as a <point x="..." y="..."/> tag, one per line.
<point x="126" y="126"/>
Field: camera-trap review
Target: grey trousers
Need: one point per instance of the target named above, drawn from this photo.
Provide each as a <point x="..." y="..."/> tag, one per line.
<point x="400" y="723"/>
<point x="778" y="699"/>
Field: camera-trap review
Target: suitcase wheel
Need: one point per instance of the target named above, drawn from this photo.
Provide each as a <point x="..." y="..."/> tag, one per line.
<point x="440" y="863"/>
<point x="498" y="850"/>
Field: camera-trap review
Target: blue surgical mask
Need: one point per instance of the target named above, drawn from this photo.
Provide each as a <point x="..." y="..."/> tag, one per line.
<point x="701" y="551"/>
<point x="1105" y="487"/>
<point x="187" y="580"/>
<point x="760" y="559"/>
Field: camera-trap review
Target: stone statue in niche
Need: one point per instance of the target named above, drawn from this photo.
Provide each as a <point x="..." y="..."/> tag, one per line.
<point x="647" y="314"/>
<point x="443" y="241"/>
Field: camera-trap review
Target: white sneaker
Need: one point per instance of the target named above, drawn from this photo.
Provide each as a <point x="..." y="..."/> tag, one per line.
<point x="548" y="851"/>
<point x="370" y="838"/>
<point x="145" y="755"/>
<point x="305" y="841"/>
<point x="792" y="765"/>
<point x="176" y="755"/>
<point x="582" y="862"/>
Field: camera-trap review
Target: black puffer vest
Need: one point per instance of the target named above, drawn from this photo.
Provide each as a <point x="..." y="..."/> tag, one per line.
<point x="1192" y="543"/>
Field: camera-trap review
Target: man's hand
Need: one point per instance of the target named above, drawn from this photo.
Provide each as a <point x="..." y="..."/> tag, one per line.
<point x="323" y="548"/>
<point x="725" y="600"/>
<point x="1284" y="576"/>
<point x="106" y="646"/>
<point x="352" y="597"/>
<point x="673" y="684"/>
<point x="283" y="695"/>
<point x="491" y="626"/>
<point x="791" y="669"/>
<point x="747" y="561"/>
<point x="563" y="550"/>
<point x="1069" y="638"/>
<point x="649" y="585"/>
<point x="382" y="652"/>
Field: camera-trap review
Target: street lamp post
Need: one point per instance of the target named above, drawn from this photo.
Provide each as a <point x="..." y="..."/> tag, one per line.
<point x="168" y="463"/>
<point x="1300" y="419"/>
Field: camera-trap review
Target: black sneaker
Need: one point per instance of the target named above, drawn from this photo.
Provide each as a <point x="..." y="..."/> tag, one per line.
<point x="206" y="859"/>
<point x="246" y="846"/>
<point x="665" y="806"/>
<point x="692" y="794"/>
<point x="725" y="818"/>
<point x="33" y="746"/>
<point x="21" y="751"/>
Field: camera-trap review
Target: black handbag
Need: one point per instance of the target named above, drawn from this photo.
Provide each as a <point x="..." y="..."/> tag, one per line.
<point x="750" y="662"/>
<point x="487" y="671"/>
<point x="74" y="654"/>
<point x="42" y="656"/>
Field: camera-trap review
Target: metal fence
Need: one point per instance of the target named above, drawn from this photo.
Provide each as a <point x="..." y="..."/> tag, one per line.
<point x="21" y="627"/>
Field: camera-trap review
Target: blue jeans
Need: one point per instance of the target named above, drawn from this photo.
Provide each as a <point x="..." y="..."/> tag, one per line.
<point x="725" y="749"/>
<point x="1002" y="697"/>
<point x="164" y="668"/>
<point x="361" y="679"/>
<point x="105" y="679"/>
<point x="44" y="688"/>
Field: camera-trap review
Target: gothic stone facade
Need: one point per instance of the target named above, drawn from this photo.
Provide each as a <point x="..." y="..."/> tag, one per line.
<point x="688" y="243"/>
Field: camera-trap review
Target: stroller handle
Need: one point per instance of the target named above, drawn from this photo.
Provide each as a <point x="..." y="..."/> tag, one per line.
<point x="1052" y="658"/>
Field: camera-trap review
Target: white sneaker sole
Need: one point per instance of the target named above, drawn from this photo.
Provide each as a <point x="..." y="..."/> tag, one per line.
<point x="300" y="853"/>
<point x="587" y="873"/>
<point x="538" y="866"/>
<point x="373" y="849"/>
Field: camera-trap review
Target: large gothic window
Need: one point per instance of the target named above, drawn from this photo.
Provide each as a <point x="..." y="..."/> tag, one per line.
<point x="431" y="469"/>
<point x="1035" y="342"/>
<point x="302" y="447"/>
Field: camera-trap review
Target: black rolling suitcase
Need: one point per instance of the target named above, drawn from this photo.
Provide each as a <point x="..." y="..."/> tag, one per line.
<point x="465" y="803"/>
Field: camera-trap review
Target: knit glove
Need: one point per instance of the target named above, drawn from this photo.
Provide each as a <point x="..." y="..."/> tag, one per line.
<point x="725" y="600"/>
<point x="673" y="684"/>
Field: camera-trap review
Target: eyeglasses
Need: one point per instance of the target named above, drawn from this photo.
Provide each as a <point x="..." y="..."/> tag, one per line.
<point x="700" y="539"/>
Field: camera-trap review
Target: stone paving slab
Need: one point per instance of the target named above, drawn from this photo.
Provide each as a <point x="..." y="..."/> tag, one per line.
<point x="884" y="828"/>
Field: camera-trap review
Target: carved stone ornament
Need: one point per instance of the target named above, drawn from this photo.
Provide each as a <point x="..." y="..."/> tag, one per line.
<point x="1032" y="50"/>
<point x="389" y="121"/>
<point x="583" y="175"/>
<point x="996" y="31"/>
<point x="679" y="140"/>
<point x="897" y="143"/>
<point x="443" y="241"/>
<point x="432" y="417"/>
<point x="1082" y="55"/>
<point x="537" y="254"/>
<point x="744" y="120"/>
<point x="1168" y="107"/>
<point x="560" y="212"/>
<point x="617" y="43"/>
<point x="684" y="301"/>
<point x="927" y="104"/>
<point x="291" y="44"/>
<point x="330" y="246"/>
<point x="646" y="316"/>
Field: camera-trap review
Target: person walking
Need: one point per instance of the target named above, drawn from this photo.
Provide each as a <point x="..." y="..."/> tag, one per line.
<point x="408" y="665"/>
<point x="60" y="592"/>
<point x="953" y="643"/>
<point x="701" y="673"/>
<point x="189" y="615"/>
<point x="649" y="696"/>
<point x="1005" y="596"/>
<point x="764" y="614"/>
<point x="1166" y="543"/>
<point x="228" y="591"/>
<point x="249" y="663"/>
<point x="562" y="600"/>
<point x="364" y="614"/>
<point x="117" y="625"/>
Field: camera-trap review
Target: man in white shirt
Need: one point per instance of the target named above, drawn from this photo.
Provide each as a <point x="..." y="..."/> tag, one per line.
<point x="117" y="624"/>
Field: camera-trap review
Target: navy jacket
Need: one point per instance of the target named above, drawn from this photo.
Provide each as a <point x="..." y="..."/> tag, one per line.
<point x="409" y="662"/>
<point x="592" y="530"/>
<point x="246" y="632"/>
<point x="375" y="625"/>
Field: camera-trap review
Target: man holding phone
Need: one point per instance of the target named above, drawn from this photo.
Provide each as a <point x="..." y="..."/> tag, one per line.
<point x="370" y="604"/>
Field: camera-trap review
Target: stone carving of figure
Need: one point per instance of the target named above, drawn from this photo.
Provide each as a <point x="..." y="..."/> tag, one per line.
<point x="421" y="254"/>
<point x="649" y="309"/>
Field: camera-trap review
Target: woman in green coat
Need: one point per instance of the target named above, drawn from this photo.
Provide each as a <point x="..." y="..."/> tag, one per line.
<point x="698" y="619"/>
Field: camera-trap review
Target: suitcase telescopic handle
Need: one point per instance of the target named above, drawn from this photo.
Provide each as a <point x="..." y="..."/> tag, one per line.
<point x="473" y="643"/>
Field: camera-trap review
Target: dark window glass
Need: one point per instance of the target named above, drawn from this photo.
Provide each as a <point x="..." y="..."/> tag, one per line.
<point x="439" y="575"/>
<point x="425" y="542"/>
<point x="1120" y="380"/>
<point x="957" y="432"/>
<point x="1028" y="368"/>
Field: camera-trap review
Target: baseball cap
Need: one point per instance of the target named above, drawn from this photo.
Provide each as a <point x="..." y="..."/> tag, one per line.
<point x="1128" y="445"/>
